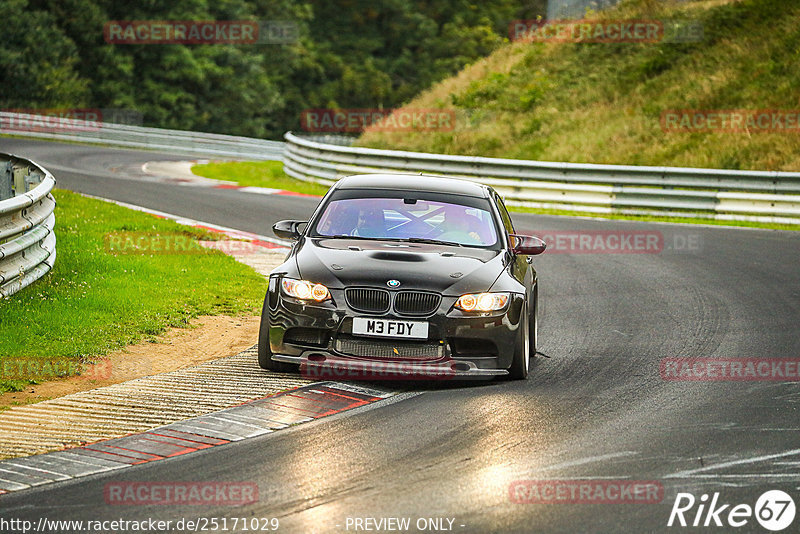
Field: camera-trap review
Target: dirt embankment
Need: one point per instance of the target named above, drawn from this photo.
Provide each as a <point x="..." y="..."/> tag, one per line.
<point x="208" y="338"/>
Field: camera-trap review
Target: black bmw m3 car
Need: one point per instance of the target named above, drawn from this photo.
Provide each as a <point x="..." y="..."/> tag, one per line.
<point x="403" y="276"/>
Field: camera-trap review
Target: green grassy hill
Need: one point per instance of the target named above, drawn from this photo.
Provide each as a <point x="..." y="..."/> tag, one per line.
<point x="602" y="103"/>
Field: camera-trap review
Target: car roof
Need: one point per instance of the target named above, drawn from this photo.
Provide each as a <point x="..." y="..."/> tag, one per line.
<point x="414" y="182"/>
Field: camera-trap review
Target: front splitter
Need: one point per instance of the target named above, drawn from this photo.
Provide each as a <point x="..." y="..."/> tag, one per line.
<point x="324" y="366"/>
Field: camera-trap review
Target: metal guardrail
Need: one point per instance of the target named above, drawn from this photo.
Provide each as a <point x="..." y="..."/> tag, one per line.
<point x="174" y="141"/>
<point x="676" y="191"/>
<point x="685" y="192"/>
<point x="27" y="219"/>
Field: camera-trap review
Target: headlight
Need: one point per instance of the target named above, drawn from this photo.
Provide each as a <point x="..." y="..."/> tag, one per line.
<point x="304" y="290"/>
<point x="482" y="302"/>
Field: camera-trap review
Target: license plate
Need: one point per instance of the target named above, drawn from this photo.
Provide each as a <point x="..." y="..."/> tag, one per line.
<point x="363" y="326"/>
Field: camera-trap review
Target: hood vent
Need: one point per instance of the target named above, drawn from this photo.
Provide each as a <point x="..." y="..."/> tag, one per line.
<point x="396" y="256"/>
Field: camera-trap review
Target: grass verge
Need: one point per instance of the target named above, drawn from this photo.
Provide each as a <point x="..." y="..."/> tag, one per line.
<point x="94" y="301"/>
<point x="259" y="174"/>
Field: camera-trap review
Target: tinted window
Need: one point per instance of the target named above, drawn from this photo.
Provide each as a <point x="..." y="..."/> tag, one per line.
<point x="398" y="218"/>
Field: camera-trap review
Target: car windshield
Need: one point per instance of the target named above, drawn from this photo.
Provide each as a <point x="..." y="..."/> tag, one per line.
<point x="396" y="218"/>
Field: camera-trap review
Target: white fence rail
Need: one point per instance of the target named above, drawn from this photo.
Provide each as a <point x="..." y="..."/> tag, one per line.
<point x="173" y="141"/>
<point x="709" y="193"/>
<point x="27" y="219"/>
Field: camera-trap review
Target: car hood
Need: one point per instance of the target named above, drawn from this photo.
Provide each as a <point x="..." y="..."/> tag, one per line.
<point x="340" y="263"/>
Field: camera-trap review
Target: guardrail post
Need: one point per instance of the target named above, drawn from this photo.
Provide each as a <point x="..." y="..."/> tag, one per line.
<point x="6" y="177"/>
<point x="20" y="180"/>
<point x="33" y="178"/>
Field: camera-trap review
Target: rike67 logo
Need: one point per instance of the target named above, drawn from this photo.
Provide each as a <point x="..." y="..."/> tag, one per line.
<point x="774" y="510"/>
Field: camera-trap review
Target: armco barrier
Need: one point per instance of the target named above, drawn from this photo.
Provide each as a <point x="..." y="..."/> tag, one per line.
<point x="763" y="196"/>
<point x="27" y="241"/>
<point x="710" y="193"/>
<point x="177" y="142"/>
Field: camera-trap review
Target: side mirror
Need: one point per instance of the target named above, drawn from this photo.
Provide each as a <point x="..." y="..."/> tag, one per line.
<point x="528" y="245"/>
<point x="288" y="229"/>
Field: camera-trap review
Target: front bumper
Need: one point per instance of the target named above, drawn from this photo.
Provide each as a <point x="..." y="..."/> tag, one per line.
<point x="318" y="337"/>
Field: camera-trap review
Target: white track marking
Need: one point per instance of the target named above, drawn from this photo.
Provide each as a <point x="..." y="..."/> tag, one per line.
<point x="230" y="232"/>
<point x="589" y="460"/>
<point x="692" y="472"/>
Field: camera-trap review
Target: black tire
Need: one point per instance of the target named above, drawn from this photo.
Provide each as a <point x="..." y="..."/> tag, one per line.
<point x="522" y="356"/>
<point x="265" y="360"/>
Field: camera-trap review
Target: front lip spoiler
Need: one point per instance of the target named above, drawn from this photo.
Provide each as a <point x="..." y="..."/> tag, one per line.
<point x="379" y="369"/>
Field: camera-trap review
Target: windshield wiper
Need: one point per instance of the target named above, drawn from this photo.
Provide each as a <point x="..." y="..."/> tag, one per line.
<point x="407" y="239"/>
<point x="340" y="236"/>
<point x="433" y="241"/>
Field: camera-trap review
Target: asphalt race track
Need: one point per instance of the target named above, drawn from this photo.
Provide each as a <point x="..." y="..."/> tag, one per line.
<point x="596" y="407"/>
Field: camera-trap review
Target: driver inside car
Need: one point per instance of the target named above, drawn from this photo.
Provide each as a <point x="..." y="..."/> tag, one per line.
<point x="461" y="227"/>
<point x="370" y="223"/>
